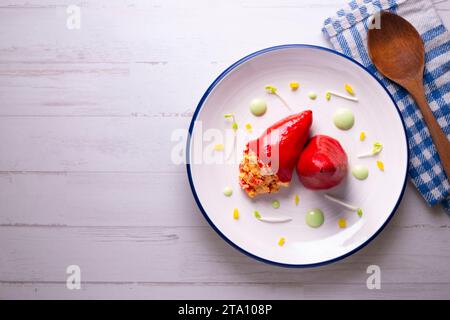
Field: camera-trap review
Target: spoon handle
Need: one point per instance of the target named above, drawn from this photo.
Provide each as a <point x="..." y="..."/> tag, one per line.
<point x="438" y="136"/>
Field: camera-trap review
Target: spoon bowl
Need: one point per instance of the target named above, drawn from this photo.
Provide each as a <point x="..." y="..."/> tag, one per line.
<point x="398" y="52"/>
<point x="396" y="48"/>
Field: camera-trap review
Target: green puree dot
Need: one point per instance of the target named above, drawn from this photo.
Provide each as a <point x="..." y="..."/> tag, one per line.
<point x="227" y="191"/>
<point x="343" y="118"/>
<point x="315" y="218"/>
<point x="312" y="95"/>
<point x="360" y="172"/>
<point x="275" y="204"/>
<point x="258" y="107"/>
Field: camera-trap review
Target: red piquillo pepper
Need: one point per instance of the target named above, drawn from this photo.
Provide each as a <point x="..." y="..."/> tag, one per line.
<point x="322" y="164"/>
<point x="269" y="161"/>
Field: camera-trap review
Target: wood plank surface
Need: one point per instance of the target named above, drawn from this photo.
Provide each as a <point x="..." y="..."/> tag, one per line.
<point x="86" y="174"/>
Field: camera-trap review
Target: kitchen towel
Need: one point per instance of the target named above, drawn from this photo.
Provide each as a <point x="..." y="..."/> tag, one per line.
<point x="347" y="32"/>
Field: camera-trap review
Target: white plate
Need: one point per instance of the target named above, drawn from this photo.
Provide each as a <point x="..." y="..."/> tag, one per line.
<point x="316" y="69"/>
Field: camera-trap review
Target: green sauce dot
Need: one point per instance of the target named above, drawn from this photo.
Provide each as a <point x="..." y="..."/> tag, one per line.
<point x="343" y="118"/>
<point x="314" y="218"/>
<point x="275" y="204"/>
<point x="360" y="172"/>
<point x="258" y="107"/>
<point x="312" y="95"/>
<point x="227" y="192"/>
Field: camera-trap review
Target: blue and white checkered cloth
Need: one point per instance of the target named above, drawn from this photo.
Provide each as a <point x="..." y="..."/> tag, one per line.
<point x="347" y="32"/>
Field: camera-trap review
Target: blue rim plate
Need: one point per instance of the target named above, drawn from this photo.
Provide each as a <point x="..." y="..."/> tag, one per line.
<point x="201" y="104"/>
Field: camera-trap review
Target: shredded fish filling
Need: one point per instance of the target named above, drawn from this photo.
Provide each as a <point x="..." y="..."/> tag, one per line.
<point x="257" y="178"/>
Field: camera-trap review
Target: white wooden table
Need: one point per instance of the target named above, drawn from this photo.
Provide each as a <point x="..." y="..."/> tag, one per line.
<point x="86" y="118"/>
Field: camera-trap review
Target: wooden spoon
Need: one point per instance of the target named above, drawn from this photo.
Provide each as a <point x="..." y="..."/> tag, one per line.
<point x="398" y="52"/>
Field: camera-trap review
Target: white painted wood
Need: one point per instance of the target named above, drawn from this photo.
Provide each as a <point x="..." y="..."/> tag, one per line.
<point x="106" y="199"/>
<point x="134" y="199"/>
<point x="173" y="31"/>
<point x="135" y="89"/>
<point x="187" y="254"/>
<point x="261" y="291"/>
<point x="85" y="173"/>
<point x="89" y="144"/>
<point x="137" y="76"/>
